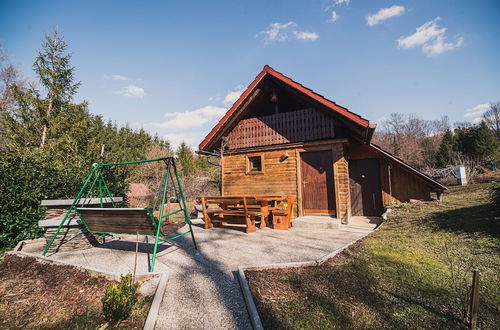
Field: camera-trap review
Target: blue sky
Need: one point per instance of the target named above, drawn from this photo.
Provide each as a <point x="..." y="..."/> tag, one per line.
<point x="174" y="67"/>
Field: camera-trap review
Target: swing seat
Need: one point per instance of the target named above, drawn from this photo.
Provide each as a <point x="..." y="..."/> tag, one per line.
<point x="119" y="220"/>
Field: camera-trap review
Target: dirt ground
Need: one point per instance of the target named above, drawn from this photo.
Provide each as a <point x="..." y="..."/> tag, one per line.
<point x="47" y="296"/>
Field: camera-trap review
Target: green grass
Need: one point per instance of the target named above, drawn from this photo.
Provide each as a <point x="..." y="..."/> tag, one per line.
<point x="415" y="272"/>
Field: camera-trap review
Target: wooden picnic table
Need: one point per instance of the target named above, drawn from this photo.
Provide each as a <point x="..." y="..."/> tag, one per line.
<point x="230" y="209"/>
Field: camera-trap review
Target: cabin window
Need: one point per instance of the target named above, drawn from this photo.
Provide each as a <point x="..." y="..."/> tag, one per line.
<point x="254" y="164"/>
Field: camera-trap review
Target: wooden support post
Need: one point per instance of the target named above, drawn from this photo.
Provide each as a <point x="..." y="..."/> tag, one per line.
<point x="206" y="217"/>
<point x="439" y="195"/>
<point x="135" y="261"/>
<point x="474" y="300"/>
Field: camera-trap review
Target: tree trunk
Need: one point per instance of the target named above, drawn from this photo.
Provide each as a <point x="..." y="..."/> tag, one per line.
<point x="46" y="124"/>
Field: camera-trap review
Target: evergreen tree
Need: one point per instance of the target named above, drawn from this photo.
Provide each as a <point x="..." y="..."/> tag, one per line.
<point x="186" y="159"/>
<point x="446" y="154"/>
<point x="477" y="141"/>
<point x="53" y="68"/>
<point x="51" y="144"/>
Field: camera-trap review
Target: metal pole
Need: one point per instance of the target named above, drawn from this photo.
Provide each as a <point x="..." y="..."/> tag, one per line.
<point x="186" y="214"/>
<point x="80" y="193"/>
<point x="100" y="188"/>
<point x="474" y="300"/>
<point x="160" y="217"/>
<point x="107" y="189"/>
<point x="136" y="161"/>
<point x="135" y="261"/>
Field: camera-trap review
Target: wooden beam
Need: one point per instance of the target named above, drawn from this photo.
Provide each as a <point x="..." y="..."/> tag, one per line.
<point x="286" y="146"/>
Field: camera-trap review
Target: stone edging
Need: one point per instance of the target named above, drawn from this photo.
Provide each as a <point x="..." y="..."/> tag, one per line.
<point x="245" y="288"/>
<point x="155" y="305"/>
<point x="160" y="286"/>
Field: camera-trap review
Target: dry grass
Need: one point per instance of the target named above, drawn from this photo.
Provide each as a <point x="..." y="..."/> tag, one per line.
<point x="36" y="295"/>
<point x="414" y="272"/>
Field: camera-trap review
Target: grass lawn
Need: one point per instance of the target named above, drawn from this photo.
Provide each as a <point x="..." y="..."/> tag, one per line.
<point x="36" y="295"/>
<point x="415" y="272"/>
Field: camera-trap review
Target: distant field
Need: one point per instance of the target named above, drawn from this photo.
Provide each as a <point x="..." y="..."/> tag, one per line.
<point x="415" y="272"/>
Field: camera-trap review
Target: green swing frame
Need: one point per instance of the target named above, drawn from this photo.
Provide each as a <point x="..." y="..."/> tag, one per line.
<point x="97" y="174"/>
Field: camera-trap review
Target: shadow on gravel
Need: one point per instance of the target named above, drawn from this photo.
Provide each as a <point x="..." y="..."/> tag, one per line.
<point x="226" y="283"/>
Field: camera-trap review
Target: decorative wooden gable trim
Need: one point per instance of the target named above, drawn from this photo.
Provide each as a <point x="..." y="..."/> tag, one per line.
<point x="252" y="89"/>
<point x="288" y="127"/>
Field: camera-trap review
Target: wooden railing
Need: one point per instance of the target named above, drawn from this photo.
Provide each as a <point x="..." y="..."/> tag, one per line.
<point x="295" y="126"/>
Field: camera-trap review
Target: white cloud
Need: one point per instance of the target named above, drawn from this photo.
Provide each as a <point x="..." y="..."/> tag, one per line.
<point x="334" y="17"/>
<point x="277" y="31"/>
<point x="191" y="119"/>
<point x="384" y="14"/>
<point x="131" y="91"/>
<point x="215" y="98"/>
<point x="341" y="2"/>
<point x="176" y="139"/>
<point x="478" y="110"/>
<point x="302" y="35"/>
<point x="119" y="77"/>
<point x="283" y="31"/>
<point x="440" y="46"/>
<point x="337" y="3"/>
<point x="233" y="96"/>
<point x="431" y="37"/>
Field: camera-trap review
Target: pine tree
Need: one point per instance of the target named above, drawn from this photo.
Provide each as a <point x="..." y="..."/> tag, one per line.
<point x="477" y="141"/>
<point x="186" y="159"/>
<point x="447" y="150"/>
<point x="53" y="68"/>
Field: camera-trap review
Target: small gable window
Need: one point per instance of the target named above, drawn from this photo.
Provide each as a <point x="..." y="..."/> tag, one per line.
<point x="254" y="164"/>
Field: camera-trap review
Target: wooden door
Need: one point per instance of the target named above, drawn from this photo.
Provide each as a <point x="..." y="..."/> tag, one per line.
<point x="364" y="181"/>
<point x="318" y="192"/>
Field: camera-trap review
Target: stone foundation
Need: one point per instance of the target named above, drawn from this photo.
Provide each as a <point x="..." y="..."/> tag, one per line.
<point x="73" y="238"/>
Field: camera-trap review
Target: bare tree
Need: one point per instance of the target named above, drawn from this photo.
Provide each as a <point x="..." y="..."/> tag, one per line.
<point x="9" y="76"/>
<point x="492" y="118"/>
<point x="412" y="138"/>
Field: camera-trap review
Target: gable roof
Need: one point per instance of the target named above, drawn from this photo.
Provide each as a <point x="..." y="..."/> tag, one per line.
<point x="427" y="179"/>
<point x="268" y="71"/>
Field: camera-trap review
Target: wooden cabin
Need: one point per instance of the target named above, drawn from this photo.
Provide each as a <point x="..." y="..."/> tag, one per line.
<point x="280" y="137"/>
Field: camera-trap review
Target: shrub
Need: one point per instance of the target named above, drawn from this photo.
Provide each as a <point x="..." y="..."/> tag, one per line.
<point x="119" y="299"/>
<point x="23" y="181"/>
<point x="495" y="196"/>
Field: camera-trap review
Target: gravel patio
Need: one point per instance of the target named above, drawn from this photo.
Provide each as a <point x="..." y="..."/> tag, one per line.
<point x="203" y="290"/>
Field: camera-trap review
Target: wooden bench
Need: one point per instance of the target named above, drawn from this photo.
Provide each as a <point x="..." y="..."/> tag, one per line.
<point x="282" y="213"/>
<point x="280" y="209"/>
<point x="233" y="209"/>
<point x="119" y="220"/>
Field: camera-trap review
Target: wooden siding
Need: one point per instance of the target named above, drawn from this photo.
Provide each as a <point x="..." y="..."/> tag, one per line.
<point x="282" y="176"/>
<point x="295" y="126"/>
<point x="402" y="186"/>
<point x="341" y="175"/>
<point x="277" y="176"/>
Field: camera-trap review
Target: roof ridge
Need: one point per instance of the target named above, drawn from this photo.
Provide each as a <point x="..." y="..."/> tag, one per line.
<point x="268" y="70"/>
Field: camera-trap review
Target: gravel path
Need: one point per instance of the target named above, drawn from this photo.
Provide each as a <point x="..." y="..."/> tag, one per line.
<point x="203" y="290"/>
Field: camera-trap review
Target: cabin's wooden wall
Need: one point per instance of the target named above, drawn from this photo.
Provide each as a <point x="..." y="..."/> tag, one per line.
<point x="403" y="185"/>
<point x="283" y="176"/>
<point x="278" y="176"/>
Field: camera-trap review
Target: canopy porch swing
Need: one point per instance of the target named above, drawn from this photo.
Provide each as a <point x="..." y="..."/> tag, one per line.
<point x="140" y="221"/>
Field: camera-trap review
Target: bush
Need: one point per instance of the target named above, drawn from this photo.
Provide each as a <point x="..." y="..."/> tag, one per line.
<point x="495" y="196"/>
<point x="119" y="299"/>
<point x="23" y="182"/>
